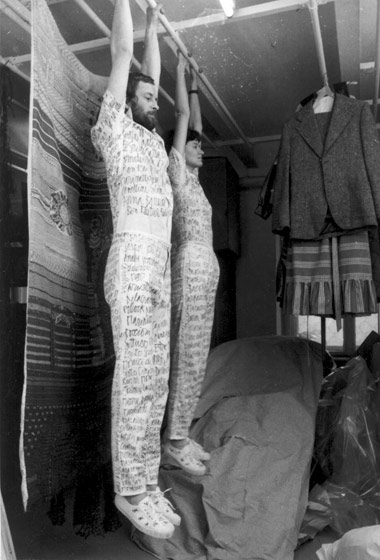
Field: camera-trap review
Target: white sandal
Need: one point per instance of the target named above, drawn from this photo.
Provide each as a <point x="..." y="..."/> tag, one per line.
<point x="183" y="458"/>
<point x="163" y="506"/>
<point x="145" y="517"/>
<point x="199" y="452"/>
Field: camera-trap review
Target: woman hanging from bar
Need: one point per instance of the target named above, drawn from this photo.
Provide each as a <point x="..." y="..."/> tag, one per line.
<point x="195" y="275"/>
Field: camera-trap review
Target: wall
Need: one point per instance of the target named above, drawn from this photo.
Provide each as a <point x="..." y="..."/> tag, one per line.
<point x="255" y="272"/>
<point x="221" y="186"/>
<point x="246" y="304"/>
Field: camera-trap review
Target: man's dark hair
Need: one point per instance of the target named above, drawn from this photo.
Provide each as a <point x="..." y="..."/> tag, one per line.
<point x="133" y="80"/>
<point x="191" y="135"/>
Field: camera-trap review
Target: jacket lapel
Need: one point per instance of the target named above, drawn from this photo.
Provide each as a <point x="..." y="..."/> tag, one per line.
<point x="307" y="126"/>
<point x="342" y="113"/>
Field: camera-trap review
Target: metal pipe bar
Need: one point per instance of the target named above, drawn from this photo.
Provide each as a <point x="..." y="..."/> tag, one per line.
<point x="14" y="68"/>
<point x="20" y="59"/>
<point x="18" y="153"/>
<point x="7" y="8"/>
<point x="250" y="12"/>
<point x="313" y="7"/>
<point x="19" y="9"/>
<point x="83" y="47"/>
<point x="377" y="65"/>
<point x="17" y="167"/>
<point x="252" y="140"/>
<point x="94" y="17"/>
<point x="22" y="17"/>
<point x="19" y="105"/>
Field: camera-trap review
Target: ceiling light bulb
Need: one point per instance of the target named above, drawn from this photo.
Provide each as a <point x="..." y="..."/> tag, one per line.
<point x="228" y="7"/>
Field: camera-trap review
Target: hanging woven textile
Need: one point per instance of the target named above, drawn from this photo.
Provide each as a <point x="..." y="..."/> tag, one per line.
<point x="65" y="431"/>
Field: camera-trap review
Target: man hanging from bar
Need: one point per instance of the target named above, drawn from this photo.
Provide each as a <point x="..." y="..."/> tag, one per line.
<point x="137" y="276"/>
<point x="195" y="275"/>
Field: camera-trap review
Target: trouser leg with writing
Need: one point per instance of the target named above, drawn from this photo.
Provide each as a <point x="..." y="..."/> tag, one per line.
<point x="137" y="286"/>
<point x="195" y="275"/>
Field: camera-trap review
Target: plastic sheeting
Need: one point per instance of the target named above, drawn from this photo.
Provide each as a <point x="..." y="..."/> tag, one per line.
<point x="347" y="450"/>
<point x="256" y="415"/>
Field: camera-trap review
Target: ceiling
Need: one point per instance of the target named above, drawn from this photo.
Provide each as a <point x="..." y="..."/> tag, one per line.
<point x="254" y="68"/>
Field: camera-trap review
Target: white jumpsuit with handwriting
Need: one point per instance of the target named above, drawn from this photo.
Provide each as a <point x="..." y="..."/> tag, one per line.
<point x="137" y="288"/>
<point x="195" y="275"/>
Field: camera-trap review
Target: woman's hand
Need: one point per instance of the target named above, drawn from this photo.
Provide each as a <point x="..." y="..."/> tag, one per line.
<point x="182" y="63"/>
<point x="152" y="15"/>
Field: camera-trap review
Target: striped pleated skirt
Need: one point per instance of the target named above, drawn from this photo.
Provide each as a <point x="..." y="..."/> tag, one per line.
<point x="330" y="277"/>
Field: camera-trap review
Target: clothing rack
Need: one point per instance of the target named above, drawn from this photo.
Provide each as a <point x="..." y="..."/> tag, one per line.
<point x="313" y="7"/>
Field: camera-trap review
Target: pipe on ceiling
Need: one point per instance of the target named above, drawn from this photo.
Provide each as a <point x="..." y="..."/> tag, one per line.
<point x="313" y="8"/>
<point x="20" y="11"/>
<point x="14" y="68"/>
<point x="377" y="65"/>
<point x="19" y="15"/>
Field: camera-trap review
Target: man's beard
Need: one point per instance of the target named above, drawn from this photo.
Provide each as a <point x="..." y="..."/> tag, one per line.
<point x="147" y="120"/>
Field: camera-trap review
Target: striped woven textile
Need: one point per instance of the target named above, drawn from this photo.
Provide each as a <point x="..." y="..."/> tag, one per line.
<point x="330" y="277"/>
<point x="69" y="354"/>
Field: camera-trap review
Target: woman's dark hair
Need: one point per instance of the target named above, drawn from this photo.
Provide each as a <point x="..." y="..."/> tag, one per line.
<point x="169" y="137"/>
<point x="133" y="80"/>
<point x="193" y="135"/>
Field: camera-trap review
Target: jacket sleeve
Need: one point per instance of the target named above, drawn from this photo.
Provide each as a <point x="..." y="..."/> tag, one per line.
<point x="281" y="187"/>
<point x="264" y="206"/>
<point x="371" y="152"/>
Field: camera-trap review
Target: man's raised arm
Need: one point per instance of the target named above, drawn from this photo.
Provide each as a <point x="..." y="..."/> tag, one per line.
<point x="121" y="49"/>
<point x="151" y="62"/>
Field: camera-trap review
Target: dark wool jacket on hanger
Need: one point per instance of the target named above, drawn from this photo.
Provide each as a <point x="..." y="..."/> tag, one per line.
<point x="342" y="174"/>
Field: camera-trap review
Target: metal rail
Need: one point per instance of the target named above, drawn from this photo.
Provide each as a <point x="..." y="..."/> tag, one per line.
<point x="377" y="66"/>
<point x="313" y="8"/>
